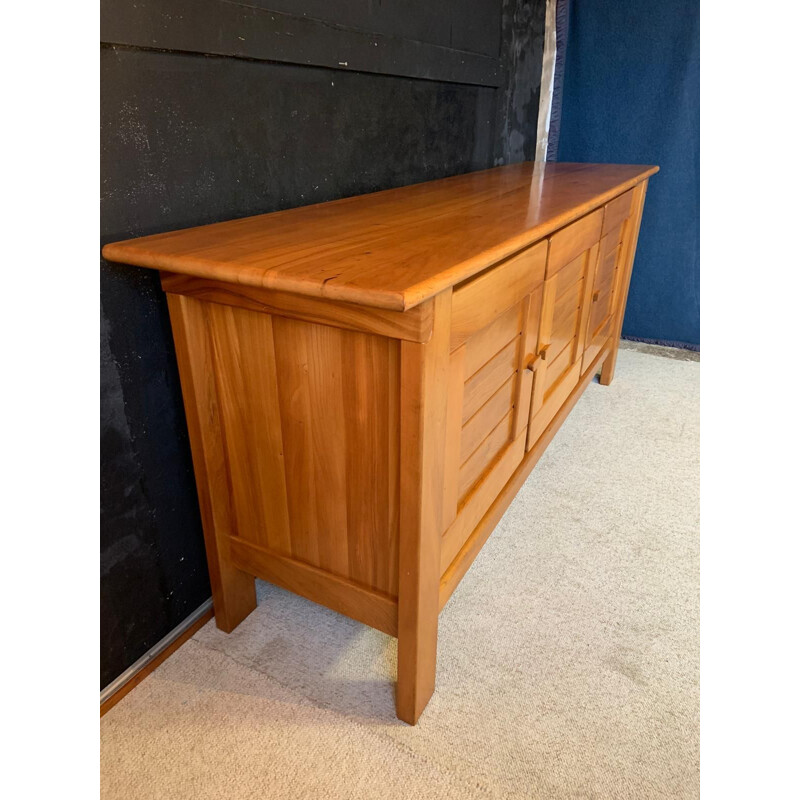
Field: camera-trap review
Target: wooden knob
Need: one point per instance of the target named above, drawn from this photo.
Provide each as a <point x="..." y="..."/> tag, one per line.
<point x="595" y="297"/>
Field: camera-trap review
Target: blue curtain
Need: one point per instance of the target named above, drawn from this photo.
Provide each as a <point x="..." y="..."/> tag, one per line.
<point x="631" y="96"/>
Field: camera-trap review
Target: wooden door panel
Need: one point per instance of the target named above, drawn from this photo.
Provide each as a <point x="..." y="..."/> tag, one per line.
<point x="571" y="266"/>
<point x="605" y="280"/>
<point x="475" y="466"/>
<point x="478" y="427"/>
<point x="487" y="342"/>
<point x="597" y="343"/>
<point x="571" y="273"/>
<point x="489" y="378"/>
<point x="559" y="366"/>
<point x="489" y="399"/>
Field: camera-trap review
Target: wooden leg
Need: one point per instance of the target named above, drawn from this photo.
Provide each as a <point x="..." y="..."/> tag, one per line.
<point x="233" y="591"/>
<point x="629" y="251"/>
<point x="423" y="430"/>
<point x="607" y="370"/>
<point x="416" y="651"/>
<point x="234" y="595"/>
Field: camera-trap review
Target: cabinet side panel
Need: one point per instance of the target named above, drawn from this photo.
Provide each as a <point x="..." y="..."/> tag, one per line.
<point x="338" y="394"/>
<point x="244" y="364"/>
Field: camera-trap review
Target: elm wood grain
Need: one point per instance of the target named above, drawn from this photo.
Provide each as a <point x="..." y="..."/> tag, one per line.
<point x="482" y="495"/>
<point x="338" y="403"/>
<point x="529" y="339"/>
<point x="552" y="404"/>
<point x="360" y="455"/>
<point x="242" y="343"/>
<point x="453" y="435"/>
<point x="423" y="431"/>
<point x="392" y="249"/>
<point x="486" y="452"/>
<point x="414" y="325"/>
<point x="560" y="365"/>
<point x="479" y="301"/>
<point x="565" y="307"/>
<point x="597" y="344"/>
<point x="484" y="344"/>
<point x="486" y="419"/>
<point x="604" y="282"/>
<point x="575" y="239"/>
<point x="624" y="278"/>
<point x="503" y="494"/>
<point x="489" y="378"/>
<point x="617" y="211"/>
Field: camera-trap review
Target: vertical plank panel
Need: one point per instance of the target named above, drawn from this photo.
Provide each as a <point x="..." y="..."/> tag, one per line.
<point x="311" y="392"/>
<point x="326" y="392"/>
<point x="292" y="356"/>
<point x="244" y="365"/>
<point x="339" y="404"/>
<point x="371" y="390"/>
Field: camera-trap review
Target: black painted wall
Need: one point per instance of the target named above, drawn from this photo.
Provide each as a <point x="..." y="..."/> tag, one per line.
<point x="213" y="110"/>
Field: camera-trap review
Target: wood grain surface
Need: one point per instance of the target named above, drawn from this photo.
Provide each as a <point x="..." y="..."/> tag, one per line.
<point x="391" y="249"/>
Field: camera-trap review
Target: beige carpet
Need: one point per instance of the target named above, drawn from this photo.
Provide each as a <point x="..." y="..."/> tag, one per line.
<point x="568" y="656"/>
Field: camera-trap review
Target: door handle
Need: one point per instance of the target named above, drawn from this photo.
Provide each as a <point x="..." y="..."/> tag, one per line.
<point x="540" y="356"/>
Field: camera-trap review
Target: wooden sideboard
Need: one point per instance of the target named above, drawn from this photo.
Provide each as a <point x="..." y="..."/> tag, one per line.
<point x="369" y="381"/>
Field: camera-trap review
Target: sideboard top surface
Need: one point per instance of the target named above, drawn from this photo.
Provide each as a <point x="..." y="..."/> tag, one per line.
<point x="391" y="249"/>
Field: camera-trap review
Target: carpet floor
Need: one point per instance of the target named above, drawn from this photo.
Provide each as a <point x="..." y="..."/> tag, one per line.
<point x="568" y="656"/>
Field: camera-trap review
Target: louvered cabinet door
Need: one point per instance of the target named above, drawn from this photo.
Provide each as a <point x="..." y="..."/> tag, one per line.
<point x="556" y="362"/>
<point x="495" y="320"/>
<point x="607" y="277"/>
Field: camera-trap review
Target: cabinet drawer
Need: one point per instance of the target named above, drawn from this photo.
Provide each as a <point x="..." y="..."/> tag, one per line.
<point x="617" y="211"/>
<point x="478" y="301"/>
<point x="570" y="242"/>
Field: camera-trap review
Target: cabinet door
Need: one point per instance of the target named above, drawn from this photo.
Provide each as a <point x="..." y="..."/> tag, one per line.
<point x="556" y="363"/>
<point x="607" y="277"/>
<point x="495" y="318"/>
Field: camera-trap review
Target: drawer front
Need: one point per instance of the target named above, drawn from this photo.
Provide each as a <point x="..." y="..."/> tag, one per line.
<point x="617" y="211"/>
<point x="570" y="242"/>
<point x="479" y="302"/>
